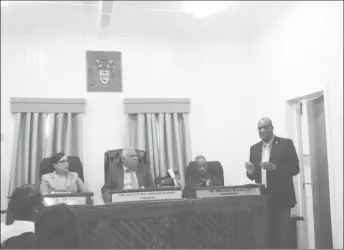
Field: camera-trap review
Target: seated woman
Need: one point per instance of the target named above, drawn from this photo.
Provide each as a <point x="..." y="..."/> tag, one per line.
<point x="61" y="180"/>
<point x="25" y="203"/>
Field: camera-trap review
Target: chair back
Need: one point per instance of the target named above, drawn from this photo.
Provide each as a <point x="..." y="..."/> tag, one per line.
<point x="75" y="165"/>
<point x="113" y="157"/>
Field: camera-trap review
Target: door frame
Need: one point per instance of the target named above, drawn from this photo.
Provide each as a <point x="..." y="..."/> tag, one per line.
<point x="293" y="129"/>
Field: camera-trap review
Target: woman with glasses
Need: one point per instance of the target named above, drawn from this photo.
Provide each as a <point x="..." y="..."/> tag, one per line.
<point x="61" y="180"/>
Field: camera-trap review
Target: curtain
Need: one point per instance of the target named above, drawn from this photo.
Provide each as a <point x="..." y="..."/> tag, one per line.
<point x="166" y="139"/>
<point x="64" y="134"/>
<point x="38" y="136"/>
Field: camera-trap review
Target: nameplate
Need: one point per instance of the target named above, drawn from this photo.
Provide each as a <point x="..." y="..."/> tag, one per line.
<point x="225" y="192"/>
<point x="147" y="196"/>
<point x="71" y="201"/>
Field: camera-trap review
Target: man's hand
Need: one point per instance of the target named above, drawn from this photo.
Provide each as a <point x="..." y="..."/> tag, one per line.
<point x="249" y="167"/>
<point x="268" y="166"/>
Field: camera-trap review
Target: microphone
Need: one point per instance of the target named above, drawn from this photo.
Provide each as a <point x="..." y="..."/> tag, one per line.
<point x="173" y="176"/>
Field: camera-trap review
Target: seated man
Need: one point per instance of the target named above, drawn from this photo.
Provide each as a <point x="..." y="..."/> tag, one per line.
<point x="128" y="174"/>
<point x="61" y="180"/>
<point x="198" y="174"/>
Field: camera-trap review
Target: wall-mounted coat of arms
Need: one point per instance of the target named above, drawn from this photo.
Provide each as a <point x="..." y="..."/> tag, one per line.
<point x="104" y="71"/>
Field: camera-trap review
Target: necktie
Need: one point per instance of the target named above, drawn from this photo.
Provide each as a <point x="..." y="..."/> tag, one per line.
<point x="134" y="182"/>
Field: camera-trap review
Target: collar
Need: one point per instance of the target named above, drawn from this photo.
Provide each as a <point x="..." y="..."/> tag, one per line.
<point x="269" y="143"/>
<point x="128" y="170"/>
<point x="54" y="174"/>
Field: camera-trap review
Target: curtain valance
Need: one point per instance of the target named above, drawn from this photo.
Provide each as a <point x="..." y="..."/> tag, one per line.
<point x="48" y="105"/>
<point x="156" y="105"/>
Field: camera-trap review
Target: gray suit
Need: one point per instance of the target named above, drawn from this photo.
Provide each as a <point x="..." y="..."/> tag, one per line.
<point x="115" y="178"/>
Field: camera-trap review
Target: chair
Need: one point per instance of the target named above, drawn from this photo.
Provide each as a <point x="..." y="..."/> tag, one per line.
<point x="112" y="157"/>
<point x="75" y="165"/>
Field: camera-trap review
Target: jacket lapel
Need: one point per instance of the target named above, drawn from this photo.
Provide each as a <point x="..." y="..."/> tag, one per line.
<point x="274" y="148"/>
<point x="119" y="175"/>
<point x="139" y="176"/>
<point x="259" y="153"/>
<point x="258" y="159"/>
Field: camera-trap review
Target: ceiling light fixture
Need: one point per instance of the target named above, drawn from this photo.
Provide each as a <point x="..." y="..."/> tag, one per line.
<point x="203" y="9"/>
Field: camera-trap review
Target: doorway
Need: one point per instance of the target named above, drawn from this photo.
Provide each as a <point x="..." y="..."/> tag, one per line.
<point x="312" y="186"/>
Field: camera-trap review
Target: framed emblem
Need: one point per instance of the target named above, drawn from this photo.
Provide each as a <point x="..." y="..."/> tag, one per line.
<point x="104" y="71"/>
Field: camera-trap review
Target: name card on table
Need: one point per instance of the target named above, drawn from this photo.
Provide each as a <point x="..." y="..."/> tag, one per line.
<point x="69" y="199"/>
<point x="217" y="192"/>
<point x="147" y="195"/>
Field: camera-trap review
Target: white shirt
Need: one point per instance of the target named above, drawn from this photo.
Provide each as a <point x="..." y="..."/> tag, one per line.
<point x="266" y="149"/>
<point x="130" y="179"/>
<point x="17" y="228"/>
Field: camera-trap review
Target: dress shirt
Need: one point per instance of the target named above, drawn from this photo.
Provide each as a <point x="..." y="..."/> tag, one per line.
<point x="130" y="179"/>
<point x="266" y="157"/>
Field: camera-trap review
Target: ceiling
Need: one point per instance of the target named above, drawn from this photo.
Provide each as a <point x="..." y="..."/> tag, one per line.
<point x="243" y="19"/>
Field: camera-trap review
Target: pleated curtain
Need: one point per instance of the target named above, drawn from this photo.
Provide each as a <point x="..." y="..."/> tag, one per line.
<point x="38" y="136"/>
<point x="166" y="139"/>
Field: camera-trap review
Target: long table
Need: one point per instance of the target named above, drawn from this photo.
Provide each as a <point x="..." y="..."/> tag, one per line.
<point x="218" y="223"/>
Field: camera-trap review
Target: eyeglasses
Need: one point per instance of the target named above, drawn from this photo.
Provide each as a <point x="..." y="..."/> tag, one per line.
<point x="65" y="162"/>
<point x="131" y="156"/>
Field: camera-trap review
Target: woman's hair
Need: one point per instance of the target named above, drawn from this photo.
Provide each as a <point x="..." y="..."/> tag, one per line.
<point x="56" y="157"/>
<point x="25" y="201"/>
<point x="57" y="225"/>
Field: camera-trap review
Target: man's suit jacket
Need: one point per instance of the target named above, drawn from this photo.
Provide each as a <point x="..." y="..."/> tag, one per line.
<point x="115" y="177"/>
<point x="194" y="178"/>
<point x="279" y="181"/>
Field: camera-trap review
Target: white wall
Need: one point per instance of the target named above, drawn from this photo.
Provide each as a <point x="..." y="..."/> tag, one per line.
<point x="300" y="54"/>
<point x="214" y="74"/>
<point x="231" y="85"/>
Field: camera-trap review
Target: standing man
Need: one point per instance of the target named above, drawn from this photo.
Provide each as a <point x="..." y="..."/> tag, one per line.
<point x="274" y="162"/>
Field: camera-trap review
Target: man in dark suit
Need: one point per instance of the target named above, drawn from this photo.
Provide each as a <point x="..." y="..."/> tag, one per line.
<point x="128" y="174"/>
<point x="200" y="174"/>
<point x="274" y="162"/>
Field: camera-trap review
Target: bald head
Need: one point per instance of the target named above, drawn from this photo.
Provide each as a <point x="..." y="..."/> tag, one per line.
<point x="129" y="158"/>
<point x="265" y="120"/>
<point x="128" y="151"/>
<point x="265" y="129"/>
<point x="201" y="162"/>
